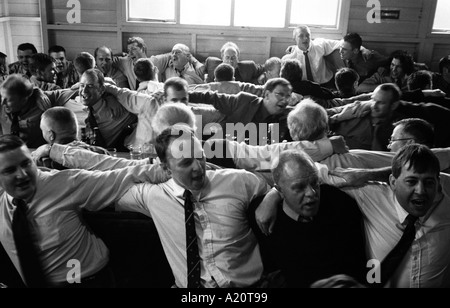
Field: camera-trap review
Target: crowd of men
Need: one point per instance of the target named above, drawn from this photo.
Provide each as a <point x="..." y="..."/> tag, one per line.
<point x="291" y="173"/>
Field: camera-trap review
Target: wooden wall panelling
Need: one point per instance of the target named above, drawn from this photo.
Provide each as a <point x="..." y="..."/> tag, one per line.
<point x="77" y="41"/>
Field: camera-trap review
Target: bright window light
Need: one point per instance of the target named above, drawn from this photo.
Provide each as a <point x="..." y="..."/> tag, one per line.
<point x="195" y="12"/>
<point x="260" y="13"/>
<point x="158" y="10"/>
<point x="441" y="20"/>
<point x="317" y="12"/>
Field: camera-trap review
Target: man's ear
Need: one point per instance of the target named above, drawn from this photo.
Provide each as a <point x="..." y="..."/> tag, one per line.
<point x="392" y="181"/>
<point x="166" y="168"/>
<point x="280" y="190"/>
<point x="395" y="105"/>
<point x="51" y="135"/>
<point x="266" y="94"/>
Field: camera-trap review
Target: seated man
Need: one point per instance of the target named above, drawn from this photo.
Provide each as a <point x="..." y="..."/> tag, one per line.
<point x="292" y="71"/>
<point x="59" y="125"/>
<point x="225" y="82"/>
<point x="21" y="110"/>
<point x="181" y="64"/>
<point x="103" y="59"/>
<point x="137" y="49"/>
<point x="347" y="81"/>
<point x="3" y="69"/>
<point x="272" y="70"/>
<point x="244" y="109"/>
<point x="414" y="197"/>
<point x="245" y="71"/>
<point x="69" y="98"/>
<point x="372" y="131"/>
<point x="353" y="58"/>
<point x="318" y="231"/>
<point x="114" y="122"/>
<point x="242" y="156"/>
<point x="401" y="66"/>
<point x="420" y="90"/>
<point x="146" y="74"/>
<point x="43" y="72"/>
<point x="24" y="53"/>
<point x="66" y="74"/>
<point x="442" y="80"/>
<point x="51" y="202"/>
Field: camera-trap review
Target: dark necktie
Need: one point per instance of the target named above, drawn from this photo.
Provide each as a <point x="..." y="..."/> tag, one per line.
<point x="302" y="219"/>
<point x="26" y="250"/>
<point x="193" y="258"/>
<point x="99" y="140"/>
<point x="15" y="126"/>
<point x="395" y="257"/>
<point x="309" y="74"/>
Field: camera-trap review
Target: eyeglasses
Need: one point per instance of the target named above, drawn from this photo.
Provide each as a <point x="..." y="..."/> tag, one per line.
<point x="401" y="139"/>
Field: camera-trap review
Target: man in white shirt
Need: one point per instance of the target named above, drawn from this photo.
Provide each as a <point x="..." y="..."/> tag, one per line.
<point x="53" y="201"/>
<point x="315" y="50"/>
<point x="415" y="188"/>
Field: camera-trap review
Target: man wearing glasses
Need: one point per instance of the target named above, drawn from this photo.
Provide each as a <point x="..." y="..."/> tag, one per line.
<point x="245" y="108"/>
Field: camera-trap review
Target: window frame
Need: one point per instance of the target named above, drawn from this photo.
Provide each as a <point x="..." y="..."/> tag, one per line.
<point x="433" y="31"/>
<point x="340" y="29"/>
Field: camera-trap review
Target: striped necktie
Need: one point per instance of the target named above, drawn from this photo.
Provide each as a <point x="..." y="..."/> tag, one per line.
<point x="193" y="258"/>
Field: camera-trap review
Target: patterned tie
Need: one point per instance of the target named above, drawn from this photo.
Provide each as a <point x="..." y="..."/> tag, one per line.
<point x="395" y="257"/>
<point x="15" y="126"/>
<point x="193" y="258"/>
<point x="26" y="250"/>
<point x="309" y="74"/>
<point x="92" y="122"/>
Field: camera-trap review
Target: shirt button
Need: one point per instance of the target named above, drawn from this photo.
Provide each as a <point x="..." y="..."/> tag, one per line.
<point x="414" y="278"/>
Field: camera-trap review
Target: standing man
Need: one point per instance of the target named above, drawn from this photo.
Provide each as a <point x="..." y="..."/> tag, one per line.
<point x="24" y="53"/>
<point x="353" y="58"/>
<point x="311" y="55"/>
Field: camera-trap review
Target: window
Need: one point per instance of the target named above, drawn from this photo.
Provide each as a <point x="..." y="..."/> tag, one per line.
<point x="153" y="10"/>
<point x="306" y="12"/>
<point x="441" y="20"/>
<point x="239" y="13"/>
<point x="190" y="14"/>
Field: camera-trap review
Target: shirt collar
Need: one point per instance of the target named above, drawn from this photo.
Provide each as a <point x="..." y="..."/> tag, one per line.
<point x="142" y="86"/>
<point x="293" y="215"/>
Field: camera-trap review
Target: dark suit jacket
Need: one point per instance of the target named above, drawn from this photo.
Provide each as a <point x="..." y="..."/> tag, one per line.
<point x="247" y="71"/>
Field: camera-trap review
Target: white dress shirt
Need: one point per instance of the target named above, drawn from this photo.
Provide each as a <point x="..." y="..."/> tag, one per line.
<point x="228" y="248"/>
<point x="317" y="51"/>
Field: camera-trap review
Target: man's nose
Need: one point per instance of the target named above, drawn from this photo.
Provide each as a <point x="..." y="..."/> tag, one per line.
<point x="21" y="173"/>
<point x="420" y="187"/>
